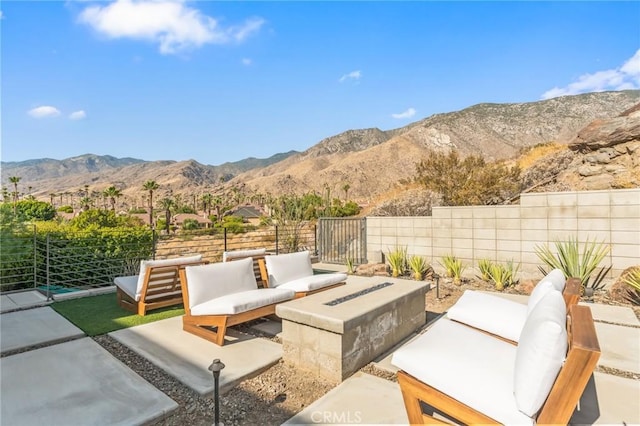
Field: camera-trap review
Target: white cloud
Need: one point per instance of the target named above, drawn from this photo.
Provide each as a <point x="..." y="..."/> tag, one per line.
<point x="44" y="111"/>
<point x="246" y="61"/>
<point x="407" y="114"/>
<point x="172" y="24"/>
<point x="353" y="75"/>
<point x="77" y="115"/>
<point x="623" y="78"/>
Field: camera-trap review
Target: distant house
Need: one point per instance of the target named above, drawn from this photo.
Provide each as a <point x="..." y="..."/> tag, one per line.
<point x="203" y="222"/>
<point x="248" y="213"/>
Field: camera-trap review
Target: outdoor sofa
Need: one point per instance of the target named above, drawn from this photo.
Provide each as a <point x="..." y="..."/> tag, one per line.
<point x="219" y="295"/>
<point x="453" y="372"/>
<point x="157" y="284"/>
<point x="294" y="271"/>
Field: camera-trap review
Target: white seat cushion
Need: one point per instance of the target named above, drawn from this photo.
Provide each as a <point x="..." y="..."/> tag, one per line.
<point x="539" y="291"/>
<point x="243" y="301"/>
<point x="314" y="282"/>
<point x="540" y="353"/>
<point x="208" y="282"/>
<point x="128" y="285"/>
<point x="283" y="268"/>
<point x="490" y="313"/>
<point x="145" y="264"/>
<point x="228" y="255"/>
<point x="556" y="276"/>
<point x="469" y="366"/>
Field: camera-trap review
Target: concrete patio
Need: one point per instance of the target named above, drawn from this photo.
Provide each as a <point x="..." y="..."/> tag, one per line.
<point x="78" y="382"/>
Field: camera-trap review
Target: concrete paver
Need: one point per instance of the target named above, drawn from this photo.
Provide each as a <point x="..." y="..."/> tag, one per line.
<point x="36" y="326"/>
<point x="362" y="399"/>
<point x="619" y="346"/>
<point x="609" y="400"/>
<point x="21" y="300"/>
<point x="187" y="357"/>
<point x="76" y="383"/>
<point x="614" y="314"/>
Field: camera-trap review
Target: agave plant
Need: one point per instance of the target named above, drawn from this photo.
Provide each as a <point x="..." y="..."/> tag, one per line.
<point x="454" y="268"/>
<point x="503" y="275"/>
<point x="350" y="265"/>
<point x="418" y="266"/>
<point x="484" y="265"/>
<point x="576" y="263"/>
<point x="397" y="261"/>
<point x="632" y="278"/>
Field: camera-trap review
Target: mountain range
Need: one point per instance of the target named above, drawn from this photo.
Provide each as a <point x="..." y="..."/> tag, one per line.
<point x="370" y="161"/>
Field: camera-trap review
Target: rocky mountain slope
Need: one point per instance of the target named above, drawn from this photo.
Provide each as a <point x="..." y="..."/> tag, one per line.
<point x="370" y="161"/>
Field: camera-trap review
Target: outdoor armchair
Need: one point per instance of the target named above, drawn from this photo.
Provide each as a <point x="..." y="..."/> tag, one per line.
<point x="157" y="284"/>
<point x="254" y="254"/>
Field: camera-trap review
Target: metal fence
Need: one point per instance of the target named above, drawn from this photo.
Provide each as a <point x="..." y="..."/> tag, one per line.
<point x="61" y="262"/>
<point x="342" y="239"/>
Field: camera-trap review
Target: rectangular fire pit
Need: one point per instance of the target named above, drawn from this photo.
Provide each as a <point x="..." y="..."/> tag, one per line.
<point x="334" y="333"/>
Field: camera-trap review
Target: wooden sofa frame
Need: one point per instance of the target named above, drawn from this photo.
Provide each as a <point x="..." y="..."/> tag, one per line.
<point x="264" y="277"/>
<point x="582" y="357"/>
<point x="201" y="325"/>
<point x="159" y="284"/>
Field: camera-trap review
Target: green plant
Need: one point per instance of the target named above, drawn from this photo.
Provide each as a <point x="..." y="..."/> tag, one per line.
<point x="503" y="275"/>
<point x="350" y="265"/>
<point x="397" y="261"/>
<point x="418" y="266"/>
<point x="575" y="262"/>
<point x="484" y="265"/>
<point x="454" y="268"/>
<point x="632" y="278"/>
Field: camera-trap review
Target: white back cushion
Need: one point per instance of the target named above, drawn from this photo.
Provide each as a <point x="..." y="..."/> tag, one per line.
<point x="145" y="264"/>
<point x="539" y="291"/>
<point x="208" y="282"/>
<point x="541" y="351"/>
<point x="556" y="276"/>
<point x="288" y="267"/>
<point x="227" y="255"/>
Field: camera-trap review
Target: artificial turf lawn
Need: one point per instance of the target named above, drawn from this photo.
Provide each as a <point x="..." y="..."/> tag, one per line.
<point x="97" y="315"/>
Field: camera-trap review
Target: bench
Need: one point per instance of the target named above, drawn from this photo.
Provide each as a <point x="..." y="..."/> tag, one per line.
<point x="157" y="285"/>
<point x="220" y="295"/>
<point x="294" y="271"/>
<point x="503" y="317"/>
<point x="459" y="373"/>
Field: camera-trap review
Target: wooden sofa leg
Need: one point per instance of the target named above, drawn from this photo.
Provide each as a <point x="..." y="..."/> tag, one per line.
<point x="142" y="309"/>
<point x="216" y="337"/>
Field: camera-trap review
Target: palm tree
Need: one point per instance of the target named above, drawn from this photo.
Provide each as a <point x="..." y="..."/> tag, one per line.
<point x="112" y="193"/>
<point x="150" y="185"/>
<point x="51" y="197"/>
<point x="346" y="188"/>
<point x="14" y="180"/>
<point x="207" y="200"/>
<point x="86" y="203"/>
<point x="167" y="204"/>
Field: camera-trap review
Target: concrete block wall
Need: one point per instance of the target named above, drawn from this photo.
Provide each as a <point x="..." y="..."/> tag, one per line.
<point x="502" y="233"/>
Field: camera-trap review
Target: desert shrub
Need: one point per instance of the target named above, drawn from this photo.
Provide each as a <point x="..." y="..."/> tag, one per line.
<point x="468" y="181"/>
<point x="453" y="267"/>
<point x="137" y="211"/>
<point x="190" y="224"/>
<point x="350" y="265"/>
<point x="26" y="210"/>
<point x="575" y="262"/>
<point x="632" y="278"/>
<point x="65" y="209"/>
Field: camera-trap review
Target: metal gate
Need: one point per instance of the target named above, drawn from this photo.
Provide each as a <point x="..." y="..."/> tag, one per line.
<point x="340" y="239"/>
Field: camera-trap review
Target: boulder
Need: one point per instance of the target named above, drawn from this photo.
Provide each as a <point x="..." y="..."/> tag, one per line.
<point x="607" y="133"/>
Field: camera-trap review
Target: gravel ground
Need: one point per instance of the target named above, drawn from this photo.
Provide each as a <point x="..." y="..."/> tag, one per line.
<point x="280" y="392"/>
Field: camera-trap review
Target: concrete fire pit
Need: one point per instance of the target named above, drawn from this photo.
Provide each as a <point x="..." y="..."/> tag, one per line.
<point x="336" y="332"/>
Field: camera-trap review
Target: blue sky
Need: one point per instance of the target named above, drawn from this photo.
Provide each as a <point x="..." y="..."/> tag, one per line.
<point x="222" y="81"/>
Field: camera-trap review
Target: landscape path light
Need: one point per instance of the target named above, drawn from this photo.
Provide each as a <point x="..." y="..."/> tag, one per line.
<point x="215" y="368"/>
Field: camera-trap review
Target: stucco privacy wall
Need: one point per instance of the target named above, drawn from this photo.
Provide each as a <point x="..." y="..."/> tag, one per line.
<point x="511" y="232"/>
